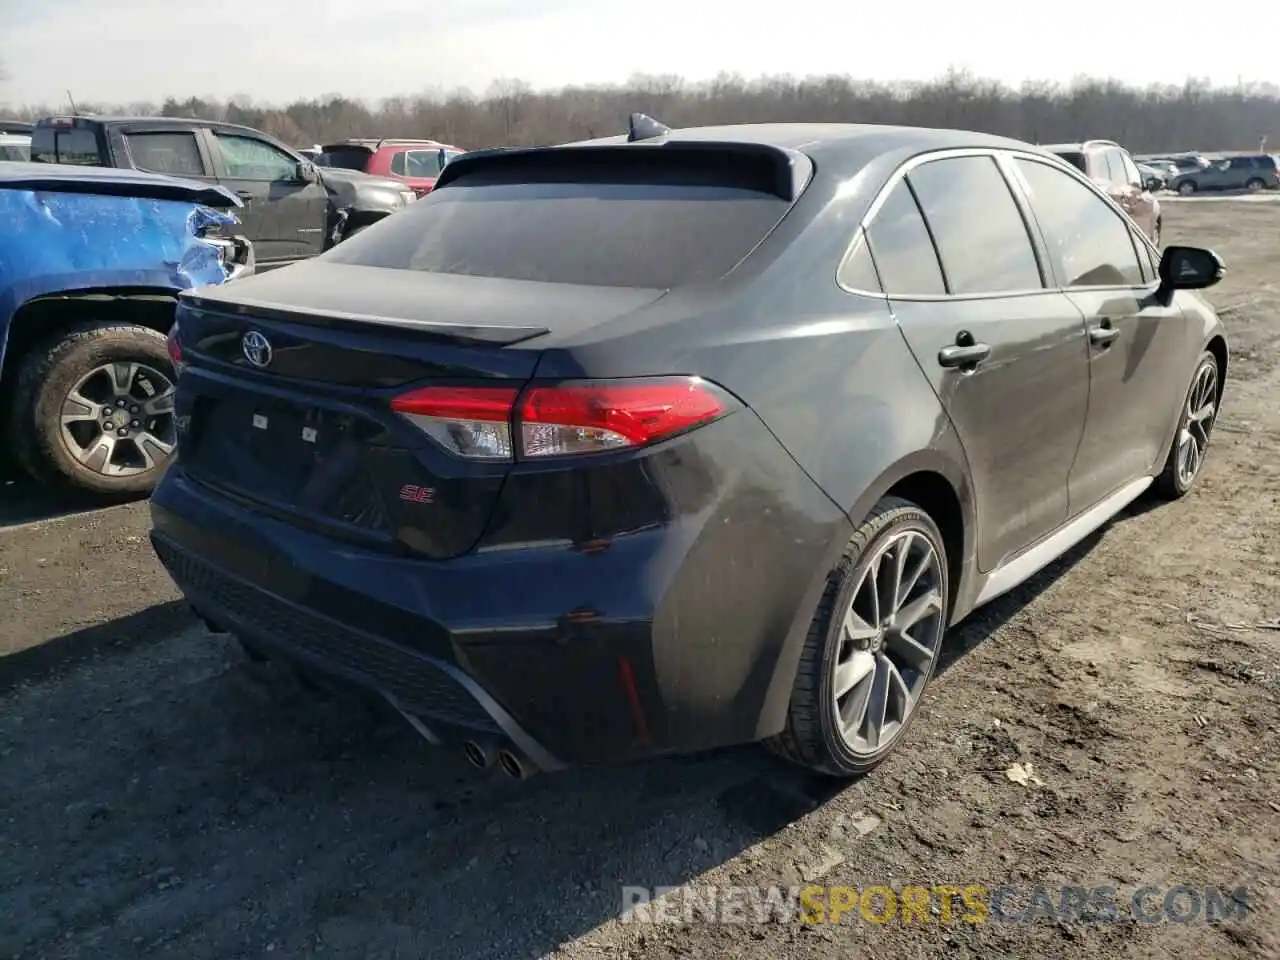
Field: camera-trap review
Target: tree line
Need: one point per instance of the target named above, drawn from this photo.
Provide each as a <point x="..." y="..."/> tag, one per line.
<point x="1193" y="116"/>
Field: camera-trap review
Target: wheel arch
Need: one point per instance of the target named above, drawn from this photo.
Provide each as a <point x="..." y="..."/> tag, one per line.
<point x="935" y="481"/>
<point x="43" y="316"/>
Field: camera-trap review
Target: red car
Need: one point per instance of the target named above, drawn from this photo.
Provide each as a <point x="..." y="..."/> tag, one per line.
<point x="416" y="162"/>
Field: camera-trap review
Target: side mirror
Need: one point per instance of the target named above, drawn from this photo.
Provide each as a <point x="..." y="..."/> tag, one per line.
<point x="1189" y="268"/>
<point x="305" y="173"/>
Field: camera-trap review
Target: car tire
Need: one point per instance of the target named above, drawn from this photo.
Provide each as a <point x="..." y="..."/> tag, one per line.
<point x="1256" y="184"/>
<point x="1187" y="187"/>
<point x="1195" y="428"/>
<point x="1156" y="233"/>
<point x="94" y="357"/>
<point x="817" y="734"/>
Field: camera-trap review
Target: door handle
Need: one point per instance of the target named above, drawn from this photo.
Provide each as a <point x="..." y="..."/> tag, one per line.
<point x="1103" y="334"/>
<point x="964" y="355"/>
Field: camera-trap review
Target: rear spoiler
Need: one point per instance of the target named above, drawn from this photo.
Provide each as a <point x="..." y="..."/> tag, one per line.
<point x="225" y="301"/>
<point x="759" y="166"/>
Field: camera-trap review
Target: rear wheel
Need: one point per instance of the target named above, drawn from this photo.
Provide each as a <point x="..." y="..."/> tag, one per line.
<point x="873" y="644"/>
<point x="1187" y="188"/>
<point x="1195" y="426"/>
<point x="1254" y="185"/>
<point x="93" y="409"/>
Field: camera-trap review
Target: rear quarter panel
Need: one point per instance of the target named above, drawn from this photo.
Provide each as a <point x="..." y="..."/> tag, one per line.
<point x="826" y="371"/>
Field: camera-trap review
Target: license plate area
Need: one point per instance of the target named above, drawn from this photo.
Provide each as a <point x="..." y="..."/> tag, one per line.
<point x="279" y="451"/>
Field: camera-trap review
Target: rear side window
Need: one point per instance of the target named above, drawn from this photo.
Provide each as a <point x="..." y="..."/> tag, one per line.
<point x="858" y="272"/>
<point x="423" y="163"/>
<point x="902" y="249"/>
<point x="981" y="237"/>
<point x="1076" y="159"/>
<point x="15" y="151"/>
<point x="646" y="226"/>
<point x="77" y="147"/>
<point x="1089" y="241"/>
<point x="173" y="153"/>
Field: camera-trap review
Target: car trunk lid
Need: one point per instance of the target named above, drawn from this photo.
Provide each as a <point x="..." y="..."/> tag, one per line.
<point x="288" y="379"/>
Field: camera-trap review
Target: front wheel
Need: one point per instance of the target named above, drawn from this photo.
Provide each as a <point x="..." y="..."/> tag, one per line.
<point x="93" y="409"/>
<point x="873" y="644"/>
<point x="1195" y="426"/>
<point x="1187" y="188"/>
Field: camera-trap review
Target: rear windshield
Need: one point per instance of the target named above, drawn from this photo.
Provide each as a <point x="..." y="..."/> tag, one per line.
<point x="355" y="159"/>
<point x="76" y="146"/>
<point x="614" y="234"/>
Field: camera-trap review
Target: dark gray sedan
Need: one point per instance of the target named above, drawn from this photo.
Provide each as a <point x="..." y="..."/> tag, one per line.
<point x="684" y="438"/>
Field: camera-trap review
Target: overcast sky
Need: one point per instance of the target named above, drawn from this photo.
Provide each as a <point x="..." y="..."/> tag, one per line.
<point x="279" y="50"/>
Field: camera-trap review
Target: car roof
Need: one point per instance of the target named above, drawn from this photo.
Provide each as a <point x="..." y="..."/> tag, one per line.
<point x="371" y="144"/>
<point x="1081" y="145"/>
<point x="111" y="181"/>
<point x="805" y="137"/>
<point x="156" y="123"/>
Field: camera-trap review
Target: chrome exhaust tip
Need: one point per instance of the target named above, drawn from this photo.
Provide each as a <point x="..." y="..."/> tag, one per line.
<point x="482" y="756"/>
<point x="514" y="765"/>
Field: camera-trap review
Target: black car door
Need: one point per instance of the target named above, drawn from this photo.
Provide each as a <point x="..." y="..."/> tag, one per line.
<point x="1005" y="352"/>
<point x="286" y="214"/>
<point x="1140" y="351"/>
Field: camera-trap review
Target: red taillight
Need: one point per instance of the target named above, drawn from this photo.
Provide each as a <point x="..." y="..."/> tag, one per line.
<point x="174" y="347"/>
<point x="566" y="419"/>
<point x="563" y="419"/>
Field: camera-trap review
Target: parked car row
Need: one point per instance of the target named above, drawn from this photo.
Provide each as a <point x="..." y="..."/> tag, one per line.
<point x="1251" y="172"/>
<point x="417" y="163"/>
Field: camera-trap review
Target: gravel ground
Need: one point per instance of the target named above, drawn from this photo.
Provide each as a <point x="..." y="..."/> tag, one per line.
<point x="165" y="798"/>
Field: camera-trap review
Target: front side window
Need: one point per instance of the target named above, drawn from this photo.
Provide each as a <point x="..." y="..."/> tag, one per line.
<point x="1089" y="242"/>
<point x="981" y="237"/>
<point x="248" y="158"/>
<point x="900" y="244"/>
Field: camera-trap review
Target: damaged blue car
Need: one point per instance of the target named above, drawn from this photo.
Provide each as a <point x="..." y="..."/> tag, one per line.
<point x="91" y="263"/>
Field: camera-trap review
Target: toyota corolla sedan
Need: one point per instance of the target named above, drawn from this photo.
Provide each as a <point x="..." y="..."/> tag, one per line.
<point x="683" y="438"/>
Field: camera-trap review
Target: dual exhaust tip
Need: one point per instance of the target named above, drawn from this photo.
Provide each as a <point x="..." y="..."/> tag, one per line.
<point x="483" y="754"/>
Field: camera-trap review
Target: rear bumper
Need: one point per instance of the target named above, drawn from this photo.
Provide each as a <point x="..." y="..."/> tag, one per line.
<point x="676" y="637"/>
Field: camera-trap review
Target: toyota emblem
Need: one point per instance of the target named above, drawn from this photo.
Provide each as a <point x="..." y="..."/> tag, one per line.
<point x="257" y="348"/>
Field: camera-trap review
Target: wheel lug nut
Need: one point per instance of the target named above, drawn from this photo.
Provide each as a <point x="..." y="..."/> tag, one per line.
<point x="133" y="409"/>
<point x="135" y="424"/>
<point x="119" y="403"/>
<point x="122" y="432"/>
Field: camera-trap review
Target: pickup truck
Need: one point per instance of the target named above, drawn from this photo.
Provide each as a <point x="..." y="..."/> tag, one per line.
<point x="293" y="210"/>
<point x="91" y="264"/>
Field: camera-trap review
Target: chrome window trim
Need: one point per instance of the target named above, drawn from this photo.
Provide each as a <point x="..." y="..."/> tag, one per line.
<point x="1004" y="157"/>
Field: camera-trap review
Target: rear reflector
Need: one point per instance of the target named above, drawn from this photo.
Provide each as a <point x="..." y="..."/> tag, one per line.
<point x="562" y="419"/>
<point x="174" y="346"/>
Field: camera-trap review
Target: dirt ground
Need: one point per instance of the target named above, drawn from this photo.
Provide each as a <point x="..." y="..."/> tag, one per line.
<point x="162" y="797"/>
